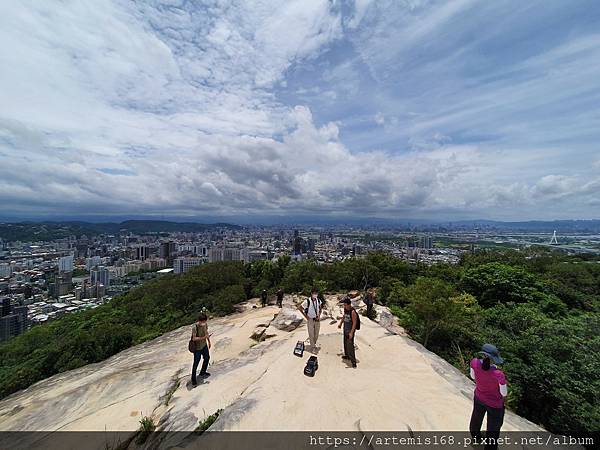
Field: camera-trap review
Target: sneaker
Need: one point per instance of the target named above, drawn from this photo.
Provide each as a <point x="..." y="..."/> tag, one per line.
<point x="194" y="384"/>
<point x="205" y="375"/>
<point x="345" y="357"/>
<point x="354" y="365"/>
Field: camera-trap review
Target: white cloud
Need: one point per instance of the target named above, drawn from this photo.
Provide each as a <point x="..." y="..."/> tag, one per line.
<point x="173" y="107"/>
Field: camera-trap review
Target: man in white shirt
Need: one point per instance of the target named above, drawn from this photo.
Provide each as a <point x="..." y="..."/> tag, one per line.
<point x="311" y="310"/>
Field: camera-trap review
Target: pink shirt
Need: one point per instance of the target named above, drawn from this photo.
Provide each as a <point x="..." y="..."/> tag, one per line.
<point x="487" y="384"/>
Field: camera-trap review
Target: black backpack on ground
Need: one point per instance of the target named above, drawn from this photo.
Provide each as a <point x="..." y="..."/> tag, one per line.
<point x="311" y="366"/>
<point x="299" y="349"/>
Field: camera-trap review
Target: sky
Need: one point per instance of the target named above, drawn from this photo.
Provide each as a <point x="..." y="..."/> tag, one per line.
<point x="396" y="109"/>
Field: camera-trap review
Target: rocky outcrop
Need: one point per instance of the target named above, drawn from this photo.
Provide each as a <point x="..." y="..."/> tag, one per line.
<point x="387" y="320"/>
<point x="398" y="385"/>
<point x="288" y="319"/>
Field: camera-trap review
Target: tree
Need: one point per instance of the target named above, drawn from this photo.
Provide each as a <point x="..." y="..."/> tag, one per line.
<point x="434" y="305"/>
<point x="496" y="283"/>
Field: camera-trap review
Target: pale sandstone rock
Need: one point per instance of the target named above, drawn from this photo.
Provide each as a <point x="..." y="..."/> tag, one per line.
<point x="260" y="386"/>
<point x="288" y="319"/>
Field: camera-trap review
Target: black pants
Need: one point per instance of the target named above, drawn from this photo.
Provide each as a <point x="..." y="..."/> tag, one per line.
<point x="495" y="418"/>
<point x="369" y="309"/>
<point x="205" y="357"/>
<point x="349" y="348"/>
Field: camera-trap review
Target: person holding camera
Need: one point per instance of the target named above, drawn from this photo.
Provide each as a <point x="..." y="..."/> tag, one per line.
<point x="311" y="309"/>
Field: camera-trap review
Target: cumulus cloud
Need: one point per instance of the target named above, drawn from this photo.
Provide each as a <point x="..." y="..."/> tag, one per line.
<point x="287" y="107"/>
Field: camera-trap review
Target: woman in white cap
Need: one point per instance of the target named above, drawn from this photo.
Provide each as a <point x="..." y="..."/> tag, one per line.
<point x="490" y="390"/>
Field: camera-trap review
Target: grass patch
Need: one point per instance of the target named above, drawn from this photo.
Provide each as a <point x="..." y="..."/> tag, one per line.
<point x="175" y="383"/>
<point x="205" y="424"/>
<point x="147" y="426"/>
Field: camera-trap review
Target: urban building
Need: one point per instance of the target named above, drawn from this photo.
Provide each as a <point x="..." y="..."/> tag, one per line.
<point x="297" y="243"/>
<point x="182" y="265"/>
<point x="168" y="251"/>
<point x="65" y="264"/>
<point x="426" y="242"/>
<point x="141" y="252"/>
<point x="13" y="320"/>
<point x="228" y="254"/>
<point x="193" y="249"/>
<point x="100" y="275"/>
<point x="92" y="262"/>
<point x="5" y="270"/>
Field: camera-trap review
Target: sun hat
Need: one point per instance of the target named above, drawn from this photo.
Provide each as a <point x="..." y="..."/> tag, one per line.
<point x="491" y="351"/>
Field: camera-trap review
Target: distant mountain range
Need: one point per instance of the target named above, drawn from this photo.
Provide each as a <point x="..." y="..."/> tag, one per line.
<point x="49" y="230"/>
<point x="46" y="231"/>
<point x="561" y="226"/>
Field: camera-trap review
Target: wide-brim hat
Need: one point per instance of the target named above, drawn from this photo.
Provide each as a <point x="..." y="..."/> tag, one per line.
<point x="492" y="352"/>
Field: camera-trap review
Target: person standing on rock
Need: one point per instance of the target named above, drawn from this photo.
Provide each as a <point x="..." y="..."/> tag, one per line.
<point x="350" y="322"/>
<point x="263" y="297"/>
<point x="280" y="297"/>
<point x="490" y="391"/>
<point x="202" y="344"/>
<point x="311" y="310"/>
<point x="369" y="300"/>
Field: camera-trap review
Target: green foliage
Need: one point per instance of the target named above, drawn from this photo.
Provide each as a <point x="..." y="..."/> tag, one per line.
<point x="552" y="365"/>
<point x="147" y="426"/>
<point x="299" y="277"/>
<point x="499" y="283"/>
<point x="433" y="307"/>
<point x="80" y="273"/>
<point x="576" y="284"/>
<point x="388" y="266"/>
<point x="205" y="424"/>
<point x="386" y="286"/>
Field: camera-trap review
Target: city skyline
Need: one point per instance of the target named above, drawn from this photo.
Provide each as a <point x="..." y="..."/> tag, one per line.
<point x="317" y="110"/>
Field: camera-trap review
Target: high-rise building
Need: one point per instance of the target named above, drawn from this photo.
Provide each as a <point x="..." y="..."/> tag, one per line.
<point x="64" y="284"/>
<point x="182" y="265"/>
<point x="100" y="275"/>
<point x="194" y="249"/>
<point x="92" y="262"/>
<point x="426" y="242"/>
<point x="93" y="291"/>
<point x="65" y="264"/>
<point x="5" y="270"/>
<point x="13" y="321"/>
<point x="168" y="251"/>
<point x="141" y="252"/>
<point x="4" y="306"/>
<point x="297" y="243"/>
<point x="228" y="254"/>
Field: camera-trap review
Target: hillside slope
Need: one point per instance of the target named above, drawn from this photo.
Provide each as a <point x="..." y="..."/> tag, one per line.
<point x="398" y="385"/>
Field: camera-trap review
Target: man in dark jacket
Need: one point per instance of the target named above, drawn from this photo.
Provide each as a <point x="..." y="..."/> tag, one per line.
<point x="369" y="299"/>
<point x="263" y="297"/>
<point x="350" y="322"/>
